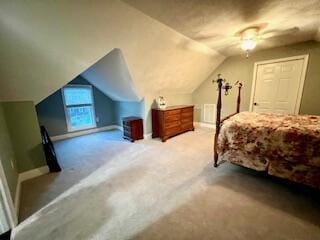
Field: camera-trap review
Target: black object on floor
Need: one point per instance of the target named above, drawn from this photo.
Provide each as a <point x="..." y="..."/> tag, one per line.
<point x="49" y="151"/>
<point x="6" y="235"/>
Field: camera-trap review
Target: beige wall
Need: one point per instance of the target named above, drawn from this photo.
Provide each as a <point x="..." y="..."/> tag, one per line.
<point x="23" y="127"/>
<point x="241" y="68"/>
<point x="7" y="155"/>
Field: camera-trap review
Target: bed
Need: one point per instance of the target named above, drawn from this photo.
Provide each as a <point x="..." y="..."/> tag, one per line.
<point x="283" y="145"/>
<point x="286" y="146"/>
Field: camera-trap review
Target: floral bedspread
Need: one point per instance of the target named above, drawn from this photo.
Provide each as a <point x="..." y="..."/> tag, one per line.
<point x="255" y="140"/>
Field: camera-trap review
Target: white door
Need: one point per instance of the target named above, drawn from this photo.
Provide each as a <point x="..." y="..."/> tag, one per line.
<point x="278" y="85"/>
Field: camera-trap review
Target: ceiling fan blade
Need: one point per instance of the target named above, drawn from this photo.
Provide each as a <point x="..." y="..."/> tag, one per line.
<point x="203" y="38"/>
<point x="213" y="42"/>
<point x="213" y="36"/>
<point x="234" y="46"/>
<point x="276" y="33"/>
<point x="226" y="44"/>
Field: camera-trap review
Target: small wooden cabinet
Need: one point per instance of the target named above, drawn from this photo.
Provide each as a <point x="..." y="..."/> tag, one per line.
<point x="171" y="121"/>
<point x="132" y="128"/>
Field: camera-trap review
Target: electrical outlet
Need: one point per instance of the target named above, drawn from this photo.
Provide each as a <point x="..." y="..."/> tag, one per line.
<point x="97" y="119"/>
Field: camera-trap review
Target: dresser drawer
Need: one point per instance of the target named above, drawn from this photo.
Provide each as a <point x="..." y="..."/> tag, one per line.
<point x="188" y="119"/>
<point x="172" y="124"/>
<point x="172" y="130"/>
<point x="186" y="114"/>
<point x="127" y="133"/>
<point x="172" y="118"/>
<point x="127" y="128"/>
<point x="172" y="112"/>
<point x="187" y="110"/>
<point x="126" y="123"/>
<point x="185" y="126"/>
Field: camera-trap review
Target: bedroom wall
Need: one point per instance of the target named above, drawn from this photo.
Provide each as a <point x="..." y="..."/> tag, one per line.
<point x="126" y="109"/>
<point x="22" y="123"/>
<point x="240" y="68"/>
<point x="51" y="113"/>
<point x="173" y="99"/>
<point x="7" y="156"/>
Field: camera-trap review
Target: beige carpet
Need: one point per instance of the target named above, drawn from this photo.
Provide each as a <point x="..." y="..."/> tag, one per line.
<point x="112" y="189"/>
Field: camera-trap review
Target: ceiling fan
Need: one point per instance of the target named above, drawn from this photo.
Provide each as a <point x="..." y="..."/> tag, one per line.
<point x="247" y="38"/>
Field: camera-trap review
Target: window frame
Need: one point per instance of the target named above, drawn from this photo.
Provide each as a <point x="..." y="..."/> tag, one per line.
<point x="69" y="127"/>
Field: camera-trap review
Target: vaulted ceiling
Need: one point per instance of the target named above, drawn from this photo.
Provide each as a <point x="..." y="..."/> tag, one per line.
<point x="111" y="76"/>
<point x="166" y="45"/>
<point x="45" y="44"/>
<point x="215" y="22"/>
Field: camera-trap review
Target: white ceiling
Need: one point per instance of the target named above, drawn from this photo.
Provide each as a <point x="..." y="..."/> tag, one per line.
<point x="111" y="76"/>
<point x="215" y="22"/>
<point x="46" y="44"/>
<point x="167" y="45"/>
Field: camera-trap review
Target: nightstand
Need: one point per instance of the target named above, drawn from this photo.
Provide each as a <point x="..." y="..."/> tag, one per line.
<point x="132" y="128"/>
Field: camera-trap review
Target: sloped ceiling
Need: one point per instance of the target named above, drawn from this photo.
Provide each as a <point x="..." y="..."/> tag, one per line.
<point x="45" y="44"/>
<point x="215" y="22"/>
<point x="111" y="75"/>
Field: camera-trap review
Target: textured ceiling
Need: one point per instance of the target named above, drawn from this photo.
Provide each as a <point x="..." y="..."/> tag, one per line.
<point x="215" y="22"/>
<point x="46" y="44"/>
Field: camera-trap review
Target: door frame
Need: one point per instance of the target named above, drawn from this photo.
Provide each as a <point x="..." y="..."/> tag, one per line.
<point x="305" y="59"/>
<point x="8" y="202"/>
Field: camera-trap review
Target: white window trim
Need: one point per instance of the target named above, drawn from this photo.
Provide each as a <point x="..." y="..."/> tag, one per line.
<point x="70" y="129"/>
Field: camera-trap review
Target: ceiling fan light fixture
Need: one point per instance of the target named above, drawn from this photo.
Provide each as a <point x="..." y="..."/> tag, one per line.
<point x="248" y="44"/>
<point x="249" y="39"/>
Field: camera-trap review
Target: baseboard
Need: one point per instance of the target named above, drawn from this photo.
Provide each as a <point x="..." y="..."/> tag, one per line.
<point x="147" y="136"/>
<point x="33" y="173"/>
<point x="84" y="132"/>
<point x="202" y="124"/>
<point x="26" y="176"/>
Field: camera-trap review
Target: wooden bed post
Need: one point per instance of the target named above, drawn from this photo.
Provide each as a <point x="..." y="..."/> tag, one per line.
<point x="220" y="81"/>
<point x="218" y="119"/>
<point x="239" y="96"/>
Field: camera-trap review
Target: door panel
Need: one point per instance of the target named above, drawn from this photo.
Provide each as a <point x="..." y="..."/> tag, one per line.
<point x="264" y="88"/>
<point x="277" y="86"/>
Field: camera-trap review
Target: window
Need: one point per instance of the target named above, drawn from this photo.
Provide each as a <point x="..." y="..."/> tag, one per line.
<point x="79" y="107"/>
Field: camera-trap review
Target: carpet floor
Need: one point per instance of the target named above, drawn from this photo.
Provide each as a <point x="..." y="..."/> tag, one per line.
<point x="113" y="189"/>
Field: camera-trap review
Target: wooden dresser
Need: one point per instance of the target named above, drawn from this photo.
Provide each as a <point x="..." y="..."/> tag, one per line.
<point x="132" y="128"/>
<point x="171" y="121"/>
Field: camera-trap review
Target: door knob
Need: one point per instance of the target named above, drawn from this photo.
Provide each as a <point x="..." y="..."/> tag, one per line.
<point x="256" y="104"/>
